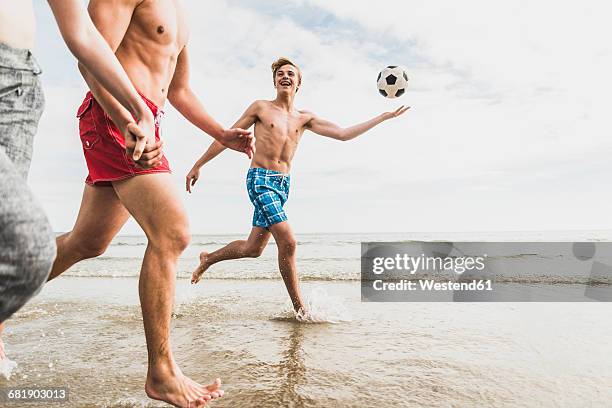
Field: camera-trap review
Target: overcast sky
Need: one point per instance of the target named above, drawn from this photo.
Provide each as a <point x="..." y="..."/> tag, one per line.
<point x="508" y="130"/>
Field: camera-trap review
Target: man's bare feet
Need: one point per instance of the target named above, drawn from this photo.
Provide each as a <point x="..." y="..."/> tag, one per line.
<point x="202" y="267"/>
<point x="176" y="389"/>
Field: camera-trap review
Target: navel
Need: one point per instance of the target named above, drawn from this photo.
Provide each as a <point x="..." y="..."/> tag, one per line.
<point x="271" y="124"/>
<point x="160" y="29"/>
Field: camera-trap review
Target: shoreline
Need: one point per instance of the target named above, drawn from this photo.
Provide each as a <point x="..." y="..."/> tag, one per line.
<point x="410" y="354"/>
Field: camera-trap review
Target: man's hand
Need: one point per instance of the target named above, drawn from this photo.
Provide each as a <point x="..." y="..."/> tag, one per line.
<point x="192" y="177"/>
<point x="151" y="157"/>
<point x="135" y="139"/>
<point x="399" y="111"/>
<point x="140" y="142"/>
<point x="240" y="140"/>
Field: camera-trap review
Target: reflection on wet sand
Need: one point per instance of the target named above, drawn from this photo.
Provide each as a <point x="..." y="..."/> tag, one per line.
<point x="292" y="368"/>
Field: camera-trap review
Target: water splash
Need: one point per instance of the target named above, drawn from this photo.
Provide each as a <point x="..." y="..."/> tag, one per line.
<point x="6" y="367"/>
<point x="320" y="308"/>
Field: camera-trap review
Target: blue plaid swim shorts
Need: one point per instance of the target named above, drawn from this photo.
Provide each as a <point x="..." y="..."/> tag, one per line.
<point x="268" y="191"/>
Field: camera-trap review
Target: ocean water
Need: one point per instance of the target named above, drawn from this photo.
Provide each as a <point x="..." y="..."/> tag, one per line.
<point x="321" y="257"/>
<point x="84" y="332"/>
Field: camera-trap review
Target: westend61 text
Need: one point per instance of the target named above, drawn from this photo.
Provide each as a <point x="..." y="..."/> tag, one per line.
<point x="432" y="285"/>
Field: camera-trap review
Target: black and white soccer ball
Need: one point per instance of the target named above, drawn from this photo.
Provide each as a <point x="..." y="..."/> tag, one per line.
<point x="392" y="81"/>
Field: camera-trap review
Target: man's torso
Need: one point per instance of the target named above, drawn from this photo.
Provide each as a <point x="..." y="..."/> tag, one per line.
<point x="277" y="134"/>
<point x="155" y="37"/>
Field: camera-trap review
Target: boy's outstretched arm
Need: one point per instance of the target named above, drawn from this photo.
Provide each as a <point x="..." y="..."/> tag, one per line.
<point x="247" y="120"/>
<point x="328" y="129"/>
<point x="182" y="97"/>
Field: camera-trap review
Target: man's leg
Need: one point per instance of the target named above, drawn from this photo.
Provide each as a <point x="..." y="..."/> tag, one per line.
<point x="100" y="218"/>
<point x="154" y="204"/>
<point x="251" y="248"/>
<point x="287" y="244"/>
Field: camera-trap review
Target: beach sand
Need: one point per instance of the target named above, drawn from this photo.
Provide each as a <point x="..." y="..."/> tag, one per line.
<point x="86" y="334"/>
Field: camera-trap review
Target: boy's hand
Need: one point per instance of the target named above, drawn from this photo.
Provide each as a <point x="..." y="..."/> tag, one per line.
<point x="192" y="177"/>
<point x="399" y="111"/>
<point x="240" y="140"/>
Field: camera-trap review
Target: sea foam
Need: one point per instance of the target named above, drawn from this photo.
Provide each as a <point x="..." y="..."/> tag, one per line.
<point x="320" y="308"/>
<point x="6" y="367"/>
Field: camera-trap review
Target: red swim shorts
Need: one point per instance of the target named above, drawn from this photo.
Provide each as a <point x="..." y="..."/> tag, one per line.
<point x="104" y="146"/>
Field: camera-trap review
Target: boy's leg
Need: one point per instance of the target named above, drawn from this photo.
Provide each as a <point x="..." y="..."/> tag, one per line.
<point x="251" y="248"/>
<point x="287" y="244"/>
<point x="154" y="204"/>
<point x="100" y="218"/>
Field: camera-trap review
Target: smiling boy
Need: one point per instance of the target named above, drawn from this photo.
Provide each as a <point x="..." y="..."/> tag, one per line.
<point x="279" y="127"/>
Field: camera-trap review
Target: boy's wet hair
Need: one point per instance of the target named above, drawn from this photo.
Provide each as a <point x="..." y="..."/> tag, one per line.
<point x="285" y="61"/>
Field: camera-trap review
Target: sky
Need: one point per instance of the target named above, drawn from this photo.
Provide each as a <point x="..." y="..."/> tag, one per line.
<point x="508" y="128"/>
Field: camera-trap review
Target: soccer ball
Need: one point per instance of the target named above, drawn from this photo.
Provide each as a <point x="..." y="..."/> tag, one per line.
<point x="392" y="81"/>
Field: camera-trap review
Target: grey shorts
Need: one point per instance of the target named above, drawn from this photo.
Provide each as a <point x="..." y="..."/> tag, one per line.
<point x="27" y="242"/>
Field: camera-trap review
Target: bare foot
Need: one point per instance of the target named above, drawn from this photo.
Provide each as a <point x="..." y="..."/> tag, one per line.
<point x="302" y="314"/>
<point x="176" y="389"/>
<point x="202" y="267"/>
<point x="2" y="354"/>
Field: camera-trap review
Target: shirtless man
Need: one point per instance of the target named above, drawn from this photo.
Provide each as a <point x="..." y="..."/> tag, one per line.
<point x="278" y="129"/>
<point x="149" y="38"/>
<point x="27" y="242"/>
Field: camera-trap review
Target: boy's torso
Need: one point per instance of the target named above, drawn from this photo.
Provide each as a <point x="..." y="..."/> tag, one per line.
<point x="277" y="134"/>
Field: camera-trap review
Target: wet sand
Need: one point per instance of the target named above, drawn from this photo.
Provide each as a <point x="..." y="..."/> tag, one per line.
<point x="86" y="334"/>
